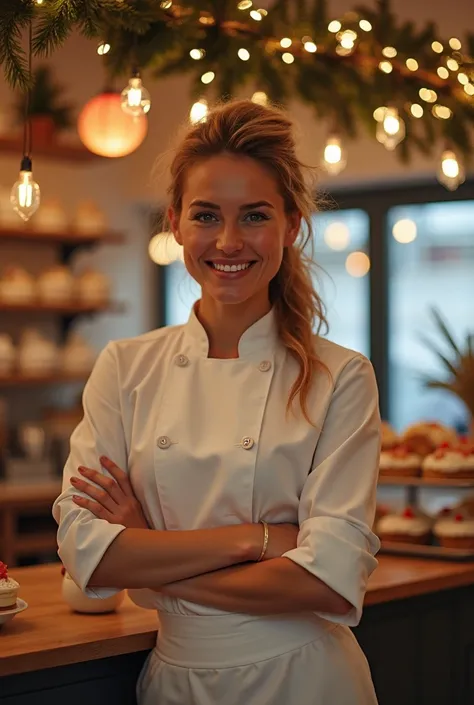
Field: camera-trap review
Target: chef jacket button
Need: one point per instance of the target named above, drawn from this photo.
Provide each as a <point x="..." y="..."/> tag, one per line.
<point x="181" y="360"/>
<point x="247" y="443"/>
<point x="163" y="442"/>
<point x="265" y="365"/>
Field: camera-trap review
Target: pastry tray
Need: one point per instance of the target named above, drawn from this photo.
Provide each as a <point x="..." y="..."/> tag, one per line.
<point x="427" y="551"/>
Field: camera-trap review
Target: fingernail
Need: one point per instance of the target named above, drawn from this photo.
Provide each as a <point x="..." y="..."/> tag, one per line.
<point x="76" y="497"/>
<point x="74" y="480"/>
<point x="103" y="459"/>
<point x="82" y="470"/>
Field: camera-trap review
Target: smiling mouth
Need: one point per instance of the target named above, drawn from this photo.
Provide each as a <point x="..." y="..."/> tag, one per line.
<point x="231" y="268"/>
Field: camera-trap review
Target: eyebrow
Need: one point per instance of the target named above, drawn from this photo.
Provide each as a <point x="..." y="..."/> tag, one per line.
<point x="245" y="207"/>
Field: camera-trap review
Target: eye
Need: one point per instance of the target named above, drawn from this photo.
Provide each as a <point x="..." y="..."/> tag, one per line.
<point x="205" y="217"/>
<point x="256" y="217"/>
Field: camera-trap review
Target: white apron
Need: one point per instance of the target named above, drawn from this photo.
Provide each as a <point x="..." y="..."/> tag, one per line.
<point x="207" y="443"/>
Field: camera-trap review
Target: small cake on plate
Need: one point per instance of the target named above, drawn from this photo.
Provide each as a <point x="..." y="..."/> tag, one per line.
<point x="390" y="438"/>
<point x="409" y="526"/>
<point x="449" y="462"/>
<point x="8" y="589"/>
<point x="424" y="438"/>
<point x="455" y="531"/>
<point x="399" y="462"/>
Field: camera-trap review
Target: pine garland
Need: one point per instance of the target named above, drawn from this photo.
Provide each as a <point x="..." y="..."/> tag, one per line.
<point x="344" y="90"/>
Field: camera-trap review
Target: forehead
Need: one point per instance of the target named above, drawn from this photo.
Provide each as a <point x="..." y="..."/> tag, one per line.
<point x="228" y="178"/>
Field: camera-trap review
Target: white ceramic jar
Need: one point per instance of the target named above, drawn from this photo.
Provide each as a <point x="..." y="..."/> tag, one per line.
<point x="80" y="602"/>
<point x="7" y="355"/>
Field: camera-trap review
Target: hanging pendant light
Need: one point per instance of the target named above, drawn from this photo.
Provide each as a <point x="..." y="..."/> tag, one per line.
<point x="334" y="156"/>
<point x="451" y="170"/>
<point x="391" y="129"/>
<point x="135" y="99"/>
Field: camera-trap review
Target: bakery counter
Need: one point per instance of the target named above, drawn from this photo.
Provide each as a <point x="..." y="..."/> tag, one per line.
<point x="419" y="616"/>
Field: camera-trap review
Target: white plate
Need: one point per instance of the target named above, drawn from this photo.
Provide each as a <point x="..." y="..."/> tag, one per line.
<point x="6" y="615"/>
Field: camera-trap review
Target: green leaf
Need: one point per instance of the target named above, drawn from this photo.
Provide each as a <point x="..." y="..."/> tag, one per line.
<point x="444" y="330"/>
<point x="447" y="363"/>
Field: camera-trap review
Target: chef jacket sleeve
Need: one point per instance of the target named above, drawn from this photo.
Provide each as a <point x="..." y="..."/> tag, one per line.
<point x="83" y="538"/>
<point x="337" y="504"/>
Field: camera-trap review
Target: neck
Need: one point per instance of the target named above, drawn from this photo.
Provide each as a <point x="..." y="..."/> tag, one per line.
<point x="226" y="323"/>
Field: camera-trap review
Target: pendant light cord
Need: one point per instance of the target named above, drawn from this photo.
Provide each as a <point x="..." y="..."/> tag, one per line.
<point x="27" y="140"/>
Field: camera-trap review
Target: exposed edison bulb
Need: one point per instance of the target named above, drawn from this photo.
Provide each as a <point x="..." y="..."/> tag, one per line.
<point x="103" y="48"/>
<point x="25" y="194"/>
<point x="163" y="249"/>
<point x="391" y="130"/>
<point x="199" y="111"/>
<point x="451" y="171"/>
<point x="334" y="157"/>
<point x="260" y="97"/>
<point x="135" y="99"/>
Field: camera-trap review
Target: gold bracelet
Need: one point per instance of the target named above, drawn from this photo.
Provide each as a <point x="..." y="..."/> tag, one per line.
<point x="265" y="541"/>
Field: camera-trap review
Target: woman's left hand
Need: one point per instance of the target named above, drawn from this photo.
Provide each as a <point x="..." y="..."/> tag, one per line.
<point x="113" y="499"/>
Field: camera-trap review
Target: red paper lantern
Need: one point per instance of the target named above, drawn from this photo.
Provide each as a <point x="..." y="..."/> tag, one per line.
<point x="107" y="130"/>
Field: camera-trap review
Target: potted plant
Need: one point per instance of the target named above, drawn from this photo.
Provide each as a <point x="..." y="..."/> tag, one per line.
<point x="47" y="111"/>
<point x="460" y="367"/>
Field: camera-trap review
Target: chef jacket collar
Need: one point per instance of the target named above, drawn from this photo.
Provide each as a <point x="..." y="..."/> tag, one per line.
<point x="260" y="338"/>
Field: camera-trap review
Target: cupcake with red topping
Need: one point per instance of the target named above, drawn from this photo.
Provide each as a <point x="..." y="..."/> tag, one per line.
<point x="455" y="531"/>
<point x="408" y="526"/>
<point x="8" y="589"/>
<point x="424" y="438"/>
<point x="449" y="462"/>
<point x="399" y="462"/>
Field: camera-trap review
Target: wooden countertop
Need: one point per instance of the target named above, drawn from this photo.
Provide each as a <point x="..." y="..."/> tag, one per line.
<point x="49" y="634"/>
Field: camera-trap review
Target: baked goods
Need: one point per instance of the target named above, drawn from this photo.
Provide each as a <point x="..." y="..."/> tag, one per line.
<point x="8" y="589"/>
<point x="93" y="288"/>
<point x="399" y="462"/>
<point x="17" y="286"/>
<point x="77" y="357"/>
<point x="409" y="526"/>
<point x="449" y="462"/>
<point x="424" y="438"/>
<point x="56" y="285"/>
<point x="390" y="438"/>
<point x="36" y="355"/>
<point x="455" y="530"/>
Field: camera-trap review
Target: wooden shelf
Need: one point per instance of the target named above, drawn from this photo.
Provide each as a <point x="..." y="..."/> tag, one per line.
<point x="67" y="238"/>
<point x="19" y="380"/>
<point x="29" y="493"/>
<point x="59" y="151"/>
<point x="37" y="543"/>
<point x="65" y="308"/>
<point x="425" y="482"/>
<point x="427" y="551"/>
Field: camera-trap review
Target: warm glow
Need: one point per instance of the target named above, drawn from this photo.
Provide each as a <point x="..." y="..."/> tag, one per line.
<point x="412" y="64"/>
<point x="437" y="47"/>
<point x="451" y="171"/>
<point x="256" y="15"/>
<point x="450" y="166"/>
<point x="243" y="54"/>
<point x="334" y="26"/>
<point x="310" y="47"/>
<point x="357" y="264"/>
<point x="442" y="72"/>
<point x="103" y="48"/>
<point x="463" y="79"/>
<point x="347" y="39"/>
<point x="452" y="65"/>
<point x="197" y="54"/>
<point x="287" y="57"/>
<point x="286" y="42"/>
<point x="198" y="112"/>
<point x="208" y="77"/>
<point x="245" y="5"/>
<point x="417" y="110"/>
<point x="334" y="160"/>
<point x="365" y="25"/>
<point x="379" y="113"/>
<point x="337" y="236"/>
<point x="163" y="249"/>
<point x="386" y="66"/>
<point x="107" y="130"/>
<point x="455" y="44"/>
<point x="442" y="112"/>
<point x="389" y="52"/>
<point x="25" y="195"/>
<point x="404" y="231"/>
<point x="428" y="95"/>
<point x="166" y="4"/>
<point x="260" y="97"/>
<point x="469" y="89"/>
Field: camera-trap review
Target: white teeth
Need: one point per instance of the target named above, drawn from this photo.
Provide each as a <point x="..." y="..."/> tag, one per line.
<point x="231" y="268"/>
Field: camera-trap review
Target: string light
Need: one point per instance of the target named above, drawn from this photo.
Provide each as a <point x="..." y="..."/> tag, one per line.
<point x="391" y="130"/>
<point x="428" y="95"/>
<point x="243" y="54"/>
<point x="245" y="5"/>
<point x="386" y="66"/>
<point x="256" y="15"/>
<point x="286" y="42"/>
<point x="365" y="25"/>
<point x="163" y="249"/>
<point x="442" y="72"/>
<point x="334" y="158"/>
<point x="199" y="111"/>
<point x="135" y="99"/>
<point x="437" y="47"/>
<point x="379" y="113"/>
<point x="404" y="231"/>
<point x="208" y="77"/>
<point x="442" y="112"/>
<point x="469" y="89"/>
<point x="455" y="44"/>
<point x="39" y="2"/>
<point x="166" y="4"/>
<point x="197" y="54"/>
<point x="412" y="64"/>
<point x="207" y="20"/>
<point x="357" y="264"/>
<point x="416" y="110"/>
<point x="334" y="26"/>
<point x="452" y="65"/>
<point x="389" y="52"/>
<point x="287" y="57"/>
<point x="463" y="79"/>
<point x="103" y="48"/>
<point x="451" y="171"/>
<point x="264" y="13"/>
<point x="310" y="47"/>
<point x="347" y="39"/>
<point x="260" y="97"/>
<point x="337" y="236"/>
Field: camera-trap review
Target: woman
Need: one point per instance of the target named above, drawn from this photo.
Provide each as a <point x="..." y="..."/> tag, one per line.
<point x="247" y="444"/>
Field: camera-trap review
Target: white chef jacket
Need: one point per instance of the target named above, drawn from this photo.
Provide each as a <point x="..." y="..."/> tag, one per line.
<point x="207" y="442"/>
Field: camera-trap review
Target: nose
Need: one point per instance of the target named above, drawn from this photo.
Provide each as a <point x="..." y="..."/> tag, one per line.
<point x="229" y="240"/>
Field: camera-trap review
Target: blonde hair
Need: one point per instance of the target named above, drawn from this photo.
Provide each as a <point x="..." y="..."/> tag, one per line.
<point x="265" y="134"/>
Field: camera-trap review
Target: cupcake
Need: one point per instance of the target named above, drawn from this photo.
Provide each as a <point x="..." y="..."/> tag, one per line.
<point x="449" y="462"/>
<point x="399" y="462"/>
<point x="17" y="286"/>
<point x="8" y="589"/>
<point x="56" y="285"/>
<point x="424" y="438"/>
<point x="409" y="526"/>
<point x="455" y="531"/>
<point x="390" y="439"/>
<point x="93" y="288"/>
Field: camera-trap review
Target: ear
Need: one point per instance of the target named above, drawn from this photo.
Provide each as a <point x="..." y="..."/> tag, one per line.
<point x="173" y="219"/>
<point x="293" y="228"/>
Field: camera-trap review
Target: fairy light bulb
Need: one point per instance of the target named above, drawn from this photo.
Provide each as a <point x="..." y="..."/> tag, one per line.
<point x="199" y="111"/>
<point x="260" y="97"/>
<point x="25" y="194"/>
<point x="347" y="39"/>
<point x="451" y="171"/>
<point x="391" y="130"/>
<point x="135" y="99"/>
<point x="334" y="157"/>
